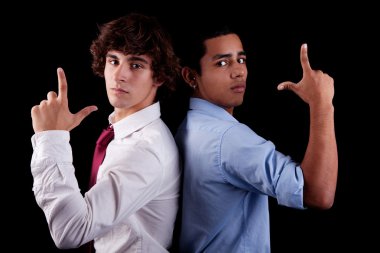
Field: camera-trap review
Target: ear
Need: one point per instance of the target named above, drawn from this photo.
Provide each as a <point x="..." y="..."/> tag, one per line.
<point x="189" y="76"/>
<point x="157" y="83"/>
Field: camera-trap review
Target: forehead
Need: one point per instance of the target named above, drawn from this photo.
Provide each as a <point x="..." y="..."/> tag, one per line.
<point x="225" y="44"/>
<point x="129" y="57"/>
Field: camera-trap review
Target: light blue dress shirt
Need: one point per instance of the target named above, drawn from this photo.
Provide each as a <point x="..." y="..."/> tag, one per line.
<point x="229" y="172"/>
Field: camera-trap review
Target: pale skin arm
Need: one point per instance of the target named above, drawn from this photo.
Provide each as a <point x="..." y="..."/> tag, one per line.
<point x="54" y="113"/>
<point x="320" y="162"/>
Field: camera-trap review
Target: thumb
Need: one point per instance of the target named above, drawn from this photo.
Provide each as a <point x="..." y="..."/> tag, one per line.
<point x="85" y="112"/>
<point x="286" y="86"/>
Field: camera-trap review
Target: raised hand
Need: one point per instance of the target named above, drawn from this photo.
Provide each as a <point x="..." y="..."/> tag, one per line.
<point x="320" y="162"/>
<point x="54" y="113"/>
<point x="315" y="87"/>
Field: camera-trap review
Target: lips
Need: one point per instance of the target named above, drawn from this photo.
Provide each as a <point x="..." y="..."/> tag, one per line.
<point x="119" y="90"/>
<point x="240" y="87"/>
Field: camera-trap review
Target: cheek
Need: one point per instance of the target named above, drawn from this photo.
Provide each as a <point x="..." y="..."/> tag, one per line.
<point x="107" y="70"/>
<point x="214" y="80"/>
<point x="107" y="75"/>
<point x="107" y="82"/>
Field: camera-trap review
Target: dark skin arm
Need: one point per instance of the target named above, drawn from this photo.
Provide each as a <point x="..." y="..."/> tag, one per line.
<point x="320" y="162"/>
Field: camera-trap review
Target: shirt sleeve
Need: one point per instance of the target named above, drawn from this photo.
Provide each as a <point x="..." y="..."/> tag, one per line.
<point x="131" y="177"/>
<point x="250" y="162"/>
<point x="56" y="189"/>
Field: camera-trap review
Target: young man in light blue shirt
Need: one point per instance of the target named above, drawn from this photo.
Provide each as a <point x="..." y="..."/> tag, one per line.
<point x="229" y="170"/>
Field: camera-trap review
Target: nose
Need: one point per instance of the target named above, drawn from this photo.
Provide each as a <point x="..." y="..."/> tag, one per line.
<point x="120" y="73"/>
<point x="239" y="71"/>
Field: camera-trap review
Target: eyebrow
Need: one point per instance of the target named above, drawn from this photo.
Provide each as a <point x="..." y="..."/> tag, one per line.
<point x="130" y="58"/>
<point x="220" y="56"/>
<point x="137" y="58"/>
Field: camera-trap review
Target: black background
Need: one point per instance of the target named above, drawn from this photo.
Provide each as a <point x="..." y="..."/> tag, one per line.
<point x="341" y="42"/>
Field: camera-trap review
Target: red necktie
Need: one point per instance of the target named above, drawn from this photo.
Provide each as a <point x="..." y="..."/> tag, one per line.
<point x="100" y="150"/>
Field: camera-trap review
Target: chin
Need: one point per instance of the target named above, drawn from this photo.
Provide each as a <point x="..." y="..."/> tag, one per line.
<point x="237" y="102"/>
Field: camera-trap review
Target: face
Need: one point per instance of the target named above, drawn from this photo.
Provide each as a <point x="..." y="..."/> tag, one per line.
<point x="223" y="72"/>
<point x="129" y="82"/>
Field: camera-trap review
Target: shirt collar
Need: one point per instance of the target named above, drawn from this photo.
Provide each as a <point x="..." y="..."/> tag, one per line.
<point x="135" y="121"/>
<point x="211" y="109"/>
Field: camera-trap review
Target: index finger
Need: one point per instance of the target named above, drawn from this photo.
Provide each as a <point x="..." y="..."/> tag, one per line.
<point x="62" y="84"/>
<point x="304" y="58"/>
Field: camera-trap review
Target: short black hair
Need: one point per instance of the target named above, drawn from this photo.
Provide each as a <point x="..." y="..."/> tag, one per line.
<point x="190" y="46"/>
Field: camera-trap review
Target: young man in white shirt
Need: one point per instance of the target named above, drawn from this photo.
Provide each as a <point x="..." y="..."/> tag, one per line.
<point x="133" y="205"/>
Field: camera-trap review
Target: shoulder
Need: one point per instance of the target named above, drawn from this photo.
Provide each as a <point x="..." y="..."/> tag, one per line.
<point x="238" y="134"/>
<point x="157" y="137"/>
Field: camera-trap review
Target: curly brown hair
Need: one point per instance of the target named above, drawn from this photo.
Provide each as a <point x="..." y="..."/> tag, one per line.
<point x="137" y="34"/>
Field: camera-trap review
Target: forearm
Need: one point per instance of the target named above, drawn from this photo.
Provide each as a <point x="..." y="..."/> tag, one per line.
<point x="320" y="163"/>
<point x="56" y="189"/>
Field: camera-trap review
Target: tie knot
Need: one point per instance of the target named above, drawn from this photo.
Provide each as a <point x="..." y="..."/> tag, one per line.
<point x="106" y="136"/>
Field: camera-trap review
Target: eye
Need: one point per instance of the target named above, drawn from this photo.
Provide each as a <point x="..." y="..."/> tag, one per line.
<point x="113" y="61"/>
<point x="136" y="66"/>
<point x="222" y="63"/>
<point x="242" y="60"/>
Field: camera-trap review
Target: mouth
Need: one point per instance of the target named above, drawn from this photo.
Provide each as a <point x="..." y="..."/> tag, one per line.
<point x="239" y="87"/>
<point x="119" y="90"/>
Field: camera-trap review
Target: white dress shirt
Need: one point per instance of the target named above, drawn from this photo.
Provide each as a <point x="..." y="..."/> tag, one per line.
<point x="133" y="205"/>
